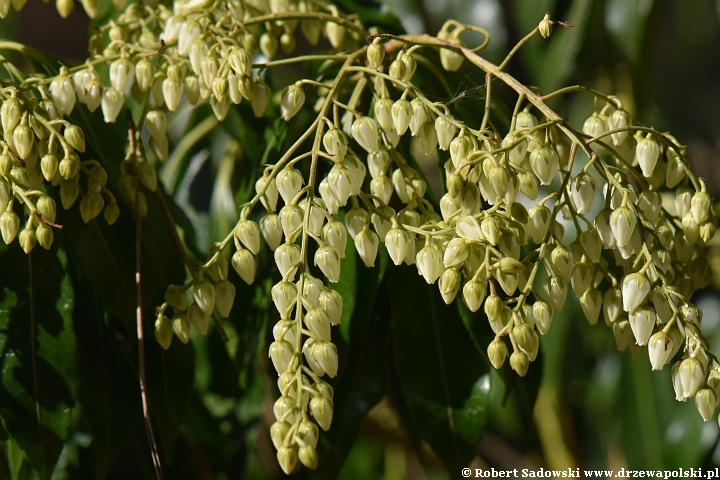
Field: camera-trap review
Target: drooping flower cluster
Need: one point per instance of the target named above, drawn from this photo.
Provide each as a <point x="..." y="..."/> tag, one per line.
<point x="640" y="217"/>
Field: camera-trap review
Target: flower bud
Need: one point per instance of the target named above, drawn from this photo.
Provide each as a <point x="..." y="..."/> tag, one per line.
<point x="497" y="353"/>
<point x="700" y="207"/>
<point x="706" y="402"/>
<point x="619" y="119"/>
<point x="46" y="206"/>
<point x="429" y="263"/>
<point x="401" y="114"/>
<point x="520" y="362"/>
<point x="335" y="34"/>
<point x="204" y="295"/>
<point x="523" y="335"/>
<point x="562" y="261"/>
<point x="674" y="170"/>
<point x="365" y="132"/>
<point x="45" y="236"/>
<point x="543" y="315"/>
<point x="622" y="223"/>
<point x="635" y="289"/>
<point x="322" y="410"/>
<point x="367" y="243"/>
<point x="27" y="239"/>
<point x="642" y="322"/>
<point x="291" y="101"/>
<point x="646" y="154"/>
<point x="112" y="102"/>
<point x="545" y="27"/>
<point x="122" y="74"/>
<point x="449" y="284"/>
<point x="24" y="138"/>
<point x="163" y="331"/>
<point x="260" y="98"/>
<point x="287" y="459"/>
<point x="691" y="375"/>
<point x="622" y="333"/>
<point x="6" y="163"/>
<point x="90" y="206"/>
<point x="74" y="136"/>
<point x="375" y="54"/>
<point x="172" y="93"/>
<point x="10" y="114"/>
<point x="68" y="193"/>
<point x="474" y="294"/>
<point x="556" y="290"/>
<point x="181" y="327"/>
<point x="517" y="146"/>
<point x="383" y="113"/>
<point x="660" y="348"/>
<point x="112" y="212"/>
<point x="396" y="242"/>
<point x="335" y="142"/>
<point x="445" y="131"/>
<point x="544" y="162"/>
<point x="335" y="234"/>
<point x="452" y="60"/>
<point x="156" y="122"/>
<point x="63" y="94"/>
<point x="248" y="233"/>
<point x="144" y="73"/>
<point x="224" y="297"/>
<point x="582" y="278"/>
<point x="287" y="257"/>
<point x="490" y="229"/>
<point x="428" y="138"/>
<point x="278" y="432"/>
<point x="540" y="217"/>
<point x="594" y="126"/>
<point x="327" y="259"/>
<point x="326" y="355"/>
<point x="244" y="264"/>
<point x="289" y="182"/>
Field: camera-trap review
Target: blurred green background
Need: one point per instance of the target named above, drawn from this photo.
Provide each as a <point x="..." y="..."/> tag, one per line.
<point x="583" y="404"/>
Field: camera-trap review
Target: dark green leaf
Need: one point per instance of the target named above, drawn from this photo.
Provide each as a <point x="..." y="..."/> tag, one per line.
<point x="37" y="353"/>
<point x="109" y="392"/>
<point x="361" y="383"/>
<point x="443" y="379"/>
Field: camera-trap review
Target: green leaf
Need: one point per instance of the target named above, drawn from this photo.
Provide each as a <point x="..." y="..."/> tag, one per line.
<point x="39" y="381"/>
<point x="106" y="380"/>
<point x="443" y="379"/>
<point x="361" y="381"/>
<point x="626" y="20"/>
<point x="170" y="379"/>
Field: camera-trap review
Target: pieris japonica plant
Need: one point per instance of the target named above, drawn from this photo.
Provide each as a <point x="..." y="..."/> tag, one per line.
<point x="609" y="209"/>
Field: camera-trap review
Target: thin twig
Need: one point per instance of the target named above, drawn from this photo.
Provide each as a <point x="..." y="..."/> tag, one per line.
<point x="139" y="314"/>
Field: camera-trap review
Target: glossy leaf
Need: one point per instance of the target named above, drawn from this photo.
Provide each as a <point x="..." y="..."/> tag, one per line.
<point x="37" y="353"/>
<point x="443" y="379"/>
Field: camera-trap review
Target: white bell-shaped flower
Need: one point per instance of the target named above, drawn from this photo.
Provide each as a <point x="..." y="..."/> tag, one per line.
<point x="642" y="322"/>
<point x="429" y="263"/>
<point x="335" y="234"/>
<point x="445" y="131"/>
<point x="396" y="242"/>
<point x="635" y="289"/>
<point x="365" y="132"/>
<point x="327" y="258"/>
<point x="291" y="101"/>
<point x="623" y="222"/>
<point x="647" y="153"/>
<point x="367" y="243"/>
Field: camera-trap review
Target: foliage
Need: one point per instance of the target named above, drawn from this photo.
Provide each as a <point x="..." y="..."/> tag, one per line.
<point x="616" y="213"/>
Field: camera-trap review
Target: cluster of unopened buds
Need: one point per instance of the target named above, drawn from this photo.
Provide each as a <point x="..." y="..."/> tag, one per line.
<point x="641" y="217"/>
